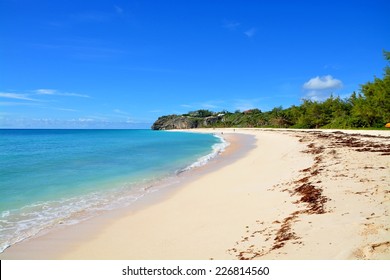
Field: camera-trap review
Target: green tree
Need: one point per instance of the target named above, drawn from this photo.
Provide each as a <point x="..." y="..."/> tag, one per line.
<point x="369" y="108"/>
<point x="372" y="107"/>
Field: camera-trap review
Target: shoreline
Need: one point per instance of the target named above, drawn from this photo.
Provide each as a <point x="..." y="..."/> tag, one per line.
<point x="63" y="236"/>
<point x="290" y="195"/>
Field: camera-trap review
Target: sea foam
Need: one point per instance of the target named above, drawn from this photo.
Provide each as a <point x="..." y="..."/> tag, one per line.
<point x="64" y="178"/>
<point x="217" y="149"/>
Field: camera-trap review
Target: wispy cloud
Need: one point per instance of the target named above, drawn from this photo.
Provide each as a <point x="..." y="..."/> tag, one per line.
<point x="45" y="91"/>
<point x="231" y="24"/>
<point x="83" y="49"/>
<point x="82" y="122"/>
<point x="236" y="26"/>
<point x="120" y="112"/>
<point x="250" y="32"/>
<point x="210" y="105"/>
<point x="219" y="105"/>
<point x="75" y="94"/>
<point x="56" y="92"/>
<point x="186" y="106"/>
<point x="17" y="104"/>
<point x="19" y="96"/>
<point x="66" y="109"/>
<point x="246" y="104"/>
<point x="91" y="17"/>
<point x="118" y="10"/>
<point x="29" y="98"/>
<point x="86" y="46"/>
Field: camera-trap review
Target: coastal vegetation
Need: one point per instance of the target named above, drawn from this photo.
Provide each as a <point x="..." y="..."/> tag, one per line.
<point x="369" y="108"/>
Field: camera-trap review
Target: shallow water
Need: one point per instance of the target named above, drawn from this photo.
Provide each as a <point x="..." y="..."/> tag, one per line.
<point x="51" y="177"/>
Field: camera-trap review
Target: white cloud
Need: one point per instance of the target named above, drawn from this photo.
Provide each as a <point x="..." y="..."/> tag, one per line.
<point x="322" y="83"/>
<point x="250" y="32"/>
<point x="118" y="10"/>
<point x="231" y="25"/>
<point x="75" y="94"/>
<point x="18" y="96"/>
<point x="117" y="111"/>
<point x="17" y="104"/>
<point x="45" y="91"/>
<point x="320" y="88"/>
<point x="316" y="95"/>
<point x="236" y="26"/>
<point x="56" y="92"/>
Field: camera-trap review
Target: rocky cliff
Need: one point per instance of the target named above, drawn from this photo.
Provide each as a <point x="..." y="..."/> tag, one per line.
<point x="184" y="122"/>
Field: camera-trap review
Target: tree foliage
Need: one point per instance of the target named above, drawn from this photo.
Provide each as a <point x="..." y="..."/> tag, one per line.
<point x="370" y="108"/>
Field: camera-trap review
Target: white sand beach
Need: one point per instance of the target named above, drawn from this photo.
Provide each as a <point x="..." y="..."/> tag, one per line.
<point x="290" y="195"/>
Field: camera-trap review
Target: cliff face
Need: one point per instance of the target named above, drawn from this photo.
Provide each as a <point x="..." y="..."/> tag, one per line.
<point x="183" y="122"/>
<point x="174" y="122"/>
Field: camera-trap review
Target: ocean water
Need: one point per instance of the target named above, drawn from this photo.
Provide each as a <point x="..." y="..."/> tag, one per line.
<point x="56" y="177"/>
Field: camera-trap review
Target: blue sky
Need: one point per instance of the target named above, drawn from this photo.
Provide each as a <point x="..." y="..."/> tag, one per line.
<point x="121" y="64"/>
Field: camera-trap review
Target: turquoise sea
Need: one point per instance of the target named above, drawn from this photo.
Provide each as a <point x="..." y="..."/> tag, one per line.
<point x="52" y="177"/>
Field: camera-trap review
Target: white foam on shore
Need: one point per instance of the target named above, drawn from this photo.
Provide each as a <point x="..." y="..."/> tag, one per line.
<point x="217" y="149"/>
<point x="19" y="224"/>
